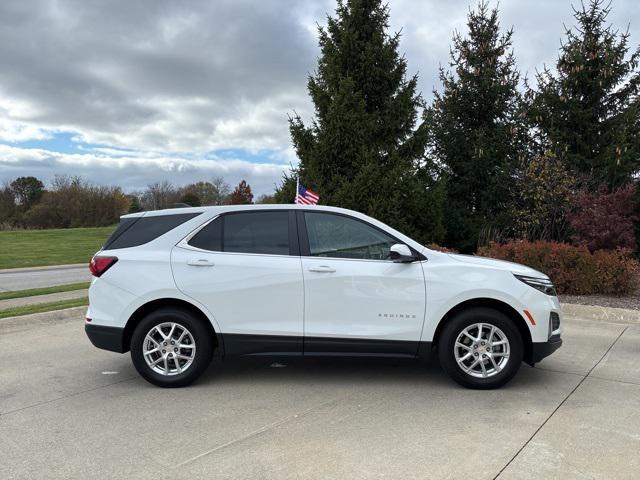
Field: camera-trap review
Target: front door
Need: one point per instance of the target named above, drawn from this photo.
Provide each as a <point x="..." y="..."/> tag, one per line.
<point x="356" y="299"/>
<point x="244" y="267"/>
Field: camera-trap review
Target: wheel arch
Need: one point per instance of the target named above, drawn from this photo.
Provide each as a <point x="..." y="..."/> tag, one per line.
<point x="159" y="303"/>
<point x="494" y="304"/>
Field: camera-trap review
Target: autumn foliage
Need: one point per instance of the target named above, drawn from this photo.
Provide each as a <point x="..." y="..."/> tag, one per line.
<point x="242" y="194"/>
<point x="602" y="220"/>
<point x="573" y="269"/>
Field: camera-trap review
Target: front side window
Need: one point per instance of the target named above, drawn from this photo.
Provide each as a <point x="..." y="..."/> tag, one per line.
<point x="338" y="236"/>
<point x="250" y="232"/>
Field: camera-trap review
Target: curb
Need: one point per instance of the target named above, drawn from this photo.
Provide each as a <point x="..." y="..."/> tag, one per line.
<point x="46" y="298"/>
<point x="594" y="312"/>
<point x="25" y="321"/>
<point x="44" y="268"/>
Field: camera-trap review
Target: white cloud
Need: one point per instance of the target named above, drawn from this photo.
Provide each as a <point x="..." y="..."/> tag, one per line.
<point x="159" y="84"/>
<point x="157" y="75"/>
<point x="134" y="172"/>
<point x="12" y="131"/>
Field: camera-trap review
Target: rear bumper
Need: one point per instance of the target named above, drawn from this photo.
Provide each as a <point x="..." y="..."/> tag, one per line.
<point x="107" y="338"/>
<point x="540" y="350"/>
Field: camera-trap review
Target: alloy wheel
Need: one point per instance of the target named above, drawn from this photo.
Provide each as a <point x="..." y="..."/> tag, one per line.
<point x="482" y="350"/>
<point x="169" y="348"/>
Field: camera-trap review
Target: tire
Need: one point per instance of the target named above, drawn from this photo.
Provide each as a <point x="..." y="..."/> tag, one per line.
<point x="192" y="353"/>
<point x="457" y="349"/>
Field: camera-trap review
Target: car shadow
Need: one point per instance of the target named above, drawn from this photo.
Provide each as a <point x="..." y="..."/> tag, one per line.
<point x="344" y="371"/>
<point x="320" y="369"/>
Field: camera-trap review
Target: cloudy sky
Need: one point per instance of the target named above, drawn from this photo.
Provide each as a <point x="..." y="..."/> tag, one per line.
<point x="134" y="91"/>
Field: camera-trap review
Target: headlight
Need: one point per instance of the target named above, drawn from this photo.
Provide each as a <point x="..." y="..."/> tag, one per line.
<point x="543" y="284"/>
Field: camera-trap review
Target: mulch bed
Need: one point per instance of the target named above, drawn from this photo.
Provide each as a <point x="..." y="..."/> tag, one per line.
<point x="631" y="302"/>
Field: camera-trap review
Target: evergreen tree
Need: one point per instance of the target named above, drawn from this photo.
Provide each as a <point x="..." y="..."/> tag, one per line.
<point x="363" y="148"/>
<point x="285" y="192"/>
<point x="477" y="132"/>
<point x="134" y="204"/>
<point x="589" y="110"/>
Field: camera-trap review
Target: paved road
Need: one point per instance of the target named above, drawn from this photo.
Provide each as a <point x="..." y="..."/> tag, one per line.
<point x="23" y="278"/>
<point x="68" y="410"/>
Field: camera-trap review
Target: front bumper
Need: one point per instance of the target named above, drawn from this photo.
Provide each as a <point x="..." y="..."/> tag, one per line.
<point x="540" y="350"/>
<point x="107" y="338"/>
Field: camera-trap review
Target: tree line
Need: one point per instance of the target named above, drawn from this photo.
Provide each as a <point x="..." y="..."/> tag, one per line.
<point x="71" y="201"/>
<point x="493" y="156"/>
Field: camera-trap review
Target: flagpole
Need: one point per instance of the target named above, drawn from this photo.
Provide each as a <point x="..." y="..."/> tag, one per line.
<point x="295" y="199"/>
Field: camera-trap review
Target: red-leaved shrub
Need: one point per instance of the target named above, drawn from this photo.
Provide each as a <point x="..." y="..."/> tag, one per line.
<point x="603" y="221"/>
<point x="573" y="269"/>
<point x="440" y="248"/>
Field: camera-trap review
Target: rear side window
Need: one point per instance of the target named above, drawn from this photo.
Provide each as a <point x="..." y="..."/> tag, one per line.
<point x="257" y="232"/>
<point x="250" y="232"/>
<point x="139" y="230"/>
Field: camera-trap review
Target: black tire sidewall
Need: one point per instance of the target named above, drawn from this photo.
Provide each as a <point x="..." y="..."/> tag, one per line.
<point x="202" y="337"/>
<point x="476" y="315"/>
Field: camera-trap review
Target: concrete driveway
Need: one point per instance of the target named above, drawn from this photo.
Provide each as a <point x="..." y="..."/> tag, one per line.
<point x="68" y="410"/>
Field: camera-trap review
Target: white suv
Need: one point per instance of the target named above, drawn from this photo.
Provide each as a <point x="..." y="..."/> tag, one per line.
<point x="177" y="286"/>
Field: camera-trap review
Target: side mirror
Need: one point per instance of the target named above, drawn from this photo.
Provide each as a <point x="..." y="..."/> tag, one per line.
<point x="400" y="253"/>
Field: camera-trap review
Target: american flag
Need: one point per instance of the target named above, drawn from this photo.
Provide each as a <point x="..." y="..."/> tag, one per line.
<point x="306" y="196"/>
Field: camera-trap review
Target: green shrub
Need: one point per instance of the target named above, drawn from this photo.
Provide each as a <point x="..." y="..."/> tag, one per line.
<point x="573" y="269"/>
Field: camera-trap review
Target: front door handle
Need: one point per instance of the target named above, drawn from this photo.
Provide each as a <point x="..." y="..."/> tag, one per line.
<point x="322" y="269"/>
<point x="200" y="262"/>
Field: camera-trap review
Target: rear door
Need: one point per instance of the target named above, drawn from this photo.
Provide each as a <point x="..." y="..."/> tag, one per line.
<point x="356" y="299"/>
<point x="245" y="268"/>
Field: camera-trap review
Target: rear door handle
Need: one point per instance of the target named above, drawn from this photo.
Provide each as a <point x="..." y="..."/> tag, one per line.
<point x="200" y="262"/>
<point x="322" y="269"/>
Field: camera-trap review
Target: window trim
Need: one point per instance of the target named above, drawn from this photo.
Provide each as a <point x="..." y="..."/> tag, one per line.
<point x="294" y="244"/>
<point x="305" y="249"/>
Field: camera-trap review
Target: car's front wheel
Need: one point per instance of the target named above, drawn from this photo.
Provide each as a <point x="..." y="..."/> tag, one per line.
<point x="171" y="347"/>
<point x="480" y="348"/>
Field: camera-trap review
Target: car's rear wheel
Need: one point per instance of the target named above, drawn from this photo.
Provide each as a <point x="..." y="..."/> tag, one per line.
<point x="171" y="347"/>
<point x="480" y="348"/>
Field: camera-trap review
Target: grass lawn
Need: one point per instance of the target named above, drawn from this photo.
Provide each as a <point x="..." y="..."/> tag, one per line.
<point x="32" y="292"/>
<point x="43" y="307"/>
<point x="36" y="248"/>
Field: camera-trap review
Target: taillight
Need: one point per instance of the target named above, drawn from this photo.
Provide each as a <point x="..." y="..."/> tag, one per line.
<point x="99" y="265"/>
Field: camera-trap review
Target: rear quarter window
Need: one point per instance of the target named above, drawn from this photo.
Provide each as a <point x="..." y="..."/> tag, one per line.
<point x="210" y="237"/>
<point x="140" y="230"/>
